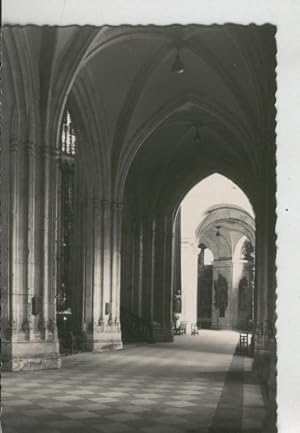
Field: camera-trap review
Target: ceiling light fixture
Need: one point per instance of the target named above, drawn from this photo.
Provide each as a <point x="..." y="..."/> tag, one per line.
<point x="178" y="66"/>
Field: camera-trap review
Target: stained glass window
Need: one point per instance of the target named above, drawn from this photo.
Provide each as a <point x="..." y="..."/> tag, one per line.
<point x="67" y="160"/>
<point x="68" y="137"/>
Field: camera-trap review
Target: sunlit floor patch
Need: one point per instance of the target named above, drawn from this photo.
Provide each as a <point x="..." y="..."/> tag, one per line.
<point x="195" y="384"/>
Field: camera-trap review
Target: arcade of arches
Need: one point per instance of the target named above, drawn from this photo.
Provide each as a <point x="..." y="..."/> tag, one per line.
<point x="221" y="250"/>
<point x="104" y="134"/>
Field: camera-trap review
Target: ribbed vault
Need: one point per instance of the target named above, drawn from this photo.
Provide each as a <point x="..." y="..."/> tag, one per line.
<point x="222" y="227"/>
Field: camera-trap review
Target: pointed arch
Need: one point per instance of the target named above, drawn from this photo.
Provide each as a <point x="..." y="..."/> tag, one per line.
<point x="164" y="113"/>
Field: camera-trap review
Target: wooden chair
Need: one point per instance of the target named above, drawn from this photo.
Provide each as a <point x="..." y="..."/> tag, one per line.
<point x="244" y="342"/>
<point x="183" y="326"/>
<point x="194" y="329"/>
<point x="181" y="329"/>
<point x="176" y="329"/>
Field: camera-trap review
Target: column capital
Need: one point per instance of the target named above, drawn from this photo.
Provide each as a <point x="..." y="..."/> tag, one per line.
<point x="118" y="205"/>
<point x="44" y="152"/>
<point x="65" y="161"/>
<point x="106" y="203"/>
<point x="96" y="202"/>
<point x="13" y="145"/>
<point x="29" y="146"/>
<point x="202" y="246"/>
<point x="26" y="325"/>
<point x="47" y="152"/>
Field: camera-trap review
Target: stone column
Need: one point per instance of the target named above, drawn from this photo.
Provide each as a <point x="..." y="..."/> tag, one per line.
<point x="6" y="220"/>
<point x="139" y="269"/>
<point x="167" y="295"/>
<point x="31" y="243"/>
<point x="13" y="319"/>
<point x="35" y="208"/>
<point x="106" y="306"/>
<point x="189" y="273"/>
<point x="237" y="274"/>
<point x="88" y="272"/>
<point x="116" y="262"/>
<point x="265" y="343"/>
<point x="126" y="267"/>
<point x="31" y="343"/>
<point x="152" y="270"/>
<point x="241" y="269"/>
<point x="106" y="257"/>
<point x="97" y="284"/>
<point x="161" y="285"/>
<point x="133" y="266"/>
<point x="148" y="268"/>
<point x="169" y="276"/>
<point x="46" y="240"/>
<point x="78" y="261"/>
<point x="54" y="179"/>
<point x="158" y="281"/>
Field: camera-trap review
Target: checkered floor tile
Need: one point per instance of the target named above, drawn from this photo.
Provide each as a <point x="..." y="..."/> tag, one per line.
<point x="189" y="386"/>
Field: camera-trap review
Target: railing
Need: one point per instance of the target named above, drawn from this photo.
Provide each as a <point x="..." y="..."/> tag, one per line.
<point x="134" y="328"/>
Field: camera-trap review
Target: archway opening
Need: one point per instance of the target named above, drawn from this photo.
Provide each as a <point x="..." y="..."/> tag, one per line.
<point x="217" y="239"/>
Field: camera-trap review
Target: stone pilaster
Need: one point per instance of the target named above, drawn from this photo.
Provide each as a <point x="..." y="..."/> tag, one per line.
<point x="88" y="272"/>
<point x="133" y="266"/>
<point x="162" y="279"/>
<point x="116" y="260"/>
<point x="168" y="288"/>
<point x="31" y="218"/>
<point x="152" y="270"/>
<point x="97" y="260"/>
<point x="189" y="272"/>
<point x="30" y="340"/>
<point x="139" y="269"/>
<point x="9" y="327"/>
<point x="107" y="265"/>
<point x="148" y="268"/>
<point x="105" y="330"/>
<point x="264" y="342"/>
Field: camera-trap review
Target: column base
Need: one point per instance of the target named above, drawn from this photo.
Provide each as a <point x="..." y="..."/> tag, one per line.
<point x="264" y="366"/>
<point x="161" y="335"/>
<point x="28" y="356"/>
<point x="104" y="340"/>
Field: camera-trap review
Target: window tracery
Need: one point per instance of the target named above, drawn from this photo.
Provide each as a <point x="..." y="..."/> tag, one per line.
<point x="68" y="136"/>
<point x="68" y="144"/>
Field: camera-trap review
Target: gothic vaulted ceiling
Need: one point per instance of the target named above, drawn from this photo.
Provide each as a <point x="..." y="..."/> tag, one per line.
<point x="148" y="127"/>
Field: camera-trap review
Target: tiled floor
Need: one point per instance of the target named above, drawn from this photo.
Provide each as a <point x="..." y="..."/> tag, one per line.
<point x="192" y="385"/>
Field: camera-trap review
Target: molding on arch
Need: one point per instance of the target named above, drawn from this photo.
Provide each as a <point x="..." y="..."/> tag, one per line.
<point x="134" y="93"/>
<point x="119" y="34"/>
<point x="23" y="88"/>
<point x="163" y="114"/>
<point x="227" y="212"/>
<point x="238" y="248"/>
<point x="88" y="114"/>
<point x="205" y="175"/>
<point x="61" y="83"/>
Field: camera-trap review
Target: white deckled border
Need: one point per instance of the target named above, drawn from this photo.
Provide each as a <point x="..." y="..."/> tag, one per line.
<point x="286" y="16"/>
